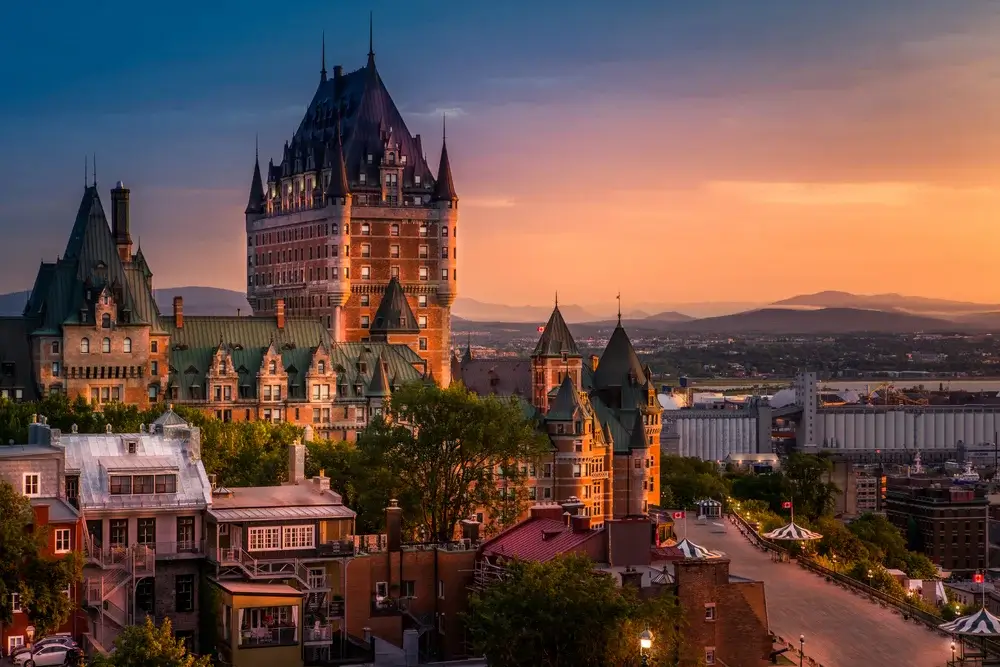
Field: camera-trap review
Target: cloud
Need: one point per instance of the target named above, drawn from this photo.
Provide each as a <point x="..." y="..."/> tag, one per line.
<point x="487" y="202"/>
<point x="840" y="194"/>
<point x="438" y="112"/>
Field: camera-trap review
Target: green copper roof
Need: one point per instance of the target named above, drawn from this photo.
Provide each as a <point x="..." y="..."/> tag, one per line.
<point x="618" y="362"/>
<point x="379" y="386"/>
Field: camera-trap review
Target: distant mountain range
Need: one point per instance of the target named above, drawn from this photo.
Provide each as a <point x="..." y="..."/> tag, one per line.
<point x="823" y="312"/>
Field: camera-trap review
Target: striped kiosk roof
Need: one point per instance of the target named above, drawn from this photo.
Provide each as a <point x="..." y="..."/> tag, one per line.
<point x="982" y="623"/>
<point x="691" y="550"/>
<point x="792" y="532"/>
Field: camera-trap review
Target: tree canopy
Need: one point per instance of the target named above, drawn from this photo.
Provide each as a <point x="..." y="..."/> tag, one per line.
<point x="561" y="613"/>
<point x="684" y="480"/>
<point x="27" y="570"/>
<point x="148" y="645"/>
<point x="449" y="453"/>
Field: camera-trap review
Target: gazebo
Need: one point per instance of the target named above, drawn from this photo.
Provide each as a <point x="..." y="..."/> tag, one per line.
<point x="981" y="624"/>
<point x="709" y="508"/>
<point x="691" y="550"/>
<point x="792" y="532"/>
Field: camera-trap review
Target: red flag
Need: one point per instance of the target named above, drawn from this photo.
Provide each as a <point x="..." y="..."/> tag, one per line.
<point x="977" y="578"/>
<point x="678" y="515"/>
<point x="787" y="505"/>
<point x="541" y="329"/>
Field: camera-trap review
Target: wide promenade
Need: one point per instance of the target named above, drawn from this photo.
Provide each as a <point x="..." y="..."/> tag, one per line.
<point x="841" y="628"/>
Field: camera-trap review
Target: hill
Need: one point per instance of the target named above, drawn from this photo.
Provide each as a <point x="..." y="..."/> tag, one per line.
<point x="197" y="301"/>
<point x="820" y="321"/>
<point x="913" y="304"/>
<point x="479" y="311"/>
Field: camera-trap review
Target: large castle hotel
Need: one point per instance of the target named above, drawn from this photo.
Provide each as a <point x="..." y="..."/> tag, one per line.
<point x="351" y="207"/>
<point x="351" y="248"/>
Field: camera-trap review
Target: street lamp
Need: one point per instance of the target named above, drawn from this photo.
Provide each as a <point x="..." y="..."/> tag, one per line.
<point x="645" y="643"/>
<point x="870" y="575"/>
<point x="802" y="648"/>
<point x="953" y="653"/>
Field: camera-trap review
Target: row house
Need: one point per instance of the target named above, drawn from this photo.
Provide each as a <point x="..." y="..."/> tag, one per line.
<point x="143" y="497"/>
<point x="37" y="470"/>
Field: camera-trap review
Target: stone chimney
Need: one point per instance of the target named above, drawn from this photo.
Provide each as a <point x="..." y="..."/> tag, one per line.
<point x="631" y="577"/>
<point x="179" y="312"/>
<point x="572" y="506"/>
<point x="593" y="362"/>
<point x="120" y="222"/>
<point x="296" y="463"/>
<point x="394" y="526"/>
<point x="322" y="482"/>
<point x="279" y="312"/>
<point x="470" y="529"/>
<point x="580" y="523"/>
<point x="546" y="511"/>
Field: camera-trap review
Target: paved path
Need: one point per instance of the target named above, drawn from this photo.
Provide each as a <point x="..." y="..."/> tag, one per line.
<point x="841" y="628"/>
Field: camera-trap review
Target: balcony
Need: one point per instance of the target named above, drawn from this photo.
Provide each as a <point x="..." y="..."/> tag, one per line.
<point x="317" y="634"/>
<point x="335" y="549"/>
<point x="276" y="636"/>
<point x="178" y="550"/>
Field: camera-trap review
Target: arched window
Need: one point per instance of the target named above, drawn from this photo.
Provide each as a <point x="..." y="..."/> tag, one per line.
<point x="272" y="367"/>
<point x="321" y="367"/>
<point x="106" y="345"/>
<point x="85" y="346"/>
<point x="106" y="321"/>
<point x="127" y="345"/>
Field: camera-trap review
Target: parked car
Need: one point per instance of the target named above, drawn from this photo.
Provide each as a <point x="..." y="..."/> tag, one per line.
<point x="54" y="640"/>
<point x="46" y="656"/>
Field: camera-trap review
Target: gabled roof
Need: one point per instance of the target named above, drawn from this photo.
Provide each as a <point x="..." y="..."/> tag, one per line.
<point x="556" y="339"/>
<point x="618" y="361"/>
<point x="566" y="403"/>
<point x="537" y="539"/>
<point x="394" y="314"/>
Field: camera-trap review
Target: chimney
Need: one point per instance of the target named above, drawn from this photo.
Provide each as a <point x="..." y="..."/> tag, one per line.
<point x="38" y="433"/>
<point x="213" y="480"/>
<point x="593" y="362"/>
<point x="279" y="311"/>
<point x="179" y="312"/>
<point x="322" y="483"/>
<point x="546" y="511"/>
<point x="631" y="577"/>
<point x="567" y="519"/>
<point x="470" y="529"/>
<point x="572" y="506"/>
<point x="581" y="524"/>
<point x="394" y="526"/>
<point x="120" y="222"/>
<point x="296" y="463"/>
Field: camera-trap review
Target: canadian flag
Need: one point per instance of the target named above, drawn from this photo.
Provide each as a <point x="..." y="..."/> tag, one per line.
<point x="541" y="329"/>
<point x="977" y="578"/>
<point x="678" y="515"/>
<point x="787" y="505"/>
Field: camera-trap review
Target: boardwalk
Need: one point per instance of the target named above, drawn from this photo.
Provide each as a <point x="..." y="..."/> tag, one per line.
<point x="841" y="629"/>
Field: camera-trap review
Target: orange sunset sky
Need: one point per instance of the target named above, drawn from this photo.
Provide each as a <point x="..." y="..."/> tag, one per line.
<point x="676" y="154"/>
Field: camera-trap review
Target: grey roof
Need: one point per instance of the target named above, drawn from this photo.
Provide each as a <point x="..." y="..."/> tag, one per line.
<point x="507" y="376"/>
<point x="170" y="418"/>
<point x="16" y="365"/>
<point x="59" y="510"/>
<point x="618" y="362"/>
<point x="556" y="338"/>
<point x="28" y="451"/>
<point x="335" y="161"/>
<point x="279" y="513"/>
<point x="138" y="463"/>
<point x="444" y="188"/>
<point x="255" y="203"/>
<point x="379" y="386"/>
<point x="92" y="455"/>
<point x="290" y="501"/>
<point x="567" y="402"/>
<point x="394" y="314"/>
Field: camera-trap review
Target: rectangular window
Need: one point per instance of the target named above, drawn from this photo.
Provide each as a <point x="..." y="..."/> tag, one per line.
<point x="185" y="533"/>
<point x="120" y="485"/>
<point x="548" y="470"/>
<point x="265" y="539"/>
<point x="366" y="272"/>
<point x="119" y="533"/>
<point x="145" y="596"/>
<point x="365" y="301"/>
<point x="394" y="272"/>
<point x="422" y="301"/>
<point x="422" y="321"/>
<point x="444" y="274"/>
<point x="73" y="490"/>
<point x="13" y="642"/>
<point x="143" y="484"/>
<point x="423" y="273"/>
<point x="394" y="251"/>
<point x="32" y="485"/>
<point x="153" y="346"/>
<point x="166" y="483"/>
<point x="444" y="252"/>
<point x="365" y="321"/>
<point x="366" y="250"/>
<point x="146" y="529"/>
<point x="422" y="344"/>
<point x="422" y="252"/>
<point x="576" y="470"/>
<point x="710" y="655"/>
<point x="55" y="369"/>
<point x="710" y="611"/>
<point x="63" y="540"/>
<point x="298" y="537"/>
<point x="15" y="602"/>
<point x="547" y="492"/>
<point x="184" y="592"/>
<point x="408" y="589"/>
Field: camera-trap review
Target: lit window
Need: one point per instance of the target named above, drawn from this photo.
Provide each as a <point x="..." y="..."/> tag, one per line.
<point x="423" y="273"/>
<point x="394" y="230"/>
<point x="710" y="611"/>
<point x="423" y="230"/>
<point x="422" y="301"/>
<point x="422" y="321"/>
<point x="85" y="345"/>
<point x="127" y="345"/>
<point x="321" y="366"/>
<point x="63" y="544"/>
<point x="365" y="321"/>
<point x="32" y="484"/>
<point x="366" y="229"/>
<point x="444" y="274"/>
<point x="15" y="602"/>
<point x="422" y="252"/>
<point x="55" y="369"/>
<point x="366" y="250"/>
<point x="264" y="539"/>
<point x="422" y="344"/>
<point x="394" y="251"/>
<point x="298" y="537"/>
<point x="366" y="272"/>
<point x="710" y="655"/>
<point x="394" y="272"/>
<point x="106" y="345"/>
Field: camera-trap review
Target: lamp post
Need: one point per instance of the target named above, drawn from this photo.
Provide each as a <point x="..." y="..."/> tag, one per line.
<point x="834" y="556"/>
<point x="953" y="653"/>
<point x="645" y="643"/>
<point x="802" y="649"/>
<point x="870" y="575"/>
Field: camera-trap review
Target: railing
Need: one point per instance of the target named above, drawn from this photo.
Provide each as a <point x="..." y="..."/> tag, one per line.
<point x="269" y="637"/>
<point x="178" y="548"/>
<point x="318" y="634"/>
<point x="115" y="613"/>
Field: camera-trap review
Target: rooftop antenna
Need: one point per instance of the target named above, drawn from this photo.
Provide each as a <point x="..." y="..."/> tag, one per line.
<point x="322" y="71"/>
<point x="557" y="298"/>
<point x="371" y="41"/>
<point x="444" y="126"/>
<point x="256" y="146"/>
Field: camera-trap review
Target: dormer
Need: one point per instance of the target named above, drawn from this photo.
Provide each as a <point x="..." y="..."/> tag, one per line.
<point x="105" y="309"/>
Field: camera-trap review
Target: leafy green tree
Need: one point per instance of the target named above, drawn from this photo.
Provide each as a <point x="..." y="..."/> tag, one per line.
<point x="883" y="540"/>
<point x="812" y="495"/>
<point x="147" y="645"/>
<point x="838" y="540"/>
<point x="454" y="451"/>
<point x="63" y="413"/>
<point x="690" y="479"/>
<point x="919" y="566"/>
<point x="26" y="568"/>
<point x="561" y="613"/>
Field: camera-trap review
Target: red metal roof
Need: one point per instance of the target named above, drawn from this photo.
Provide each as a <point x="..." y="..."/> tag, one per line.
<point x="536" y="540"/>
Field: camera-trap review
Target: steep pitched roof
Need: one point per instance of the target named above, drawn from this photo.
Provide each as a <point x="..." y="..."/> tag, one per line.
<point x="394" y="314"/>
<point x="566" y="402"/>
<point x="379" y="386"/>
<point x="556" y="338"/>
<point x="444" y="187"/>
<point x="255" y="204"/>
<point x="618" y="361"/>
<point x="537" y="539"/>
<point x="338" y="177"/>
<point x="637" y="438"/>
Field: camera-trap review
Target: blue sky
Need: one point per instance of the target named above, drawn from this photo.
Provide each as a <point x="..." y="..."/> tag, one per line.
<point x="547" y="100"/>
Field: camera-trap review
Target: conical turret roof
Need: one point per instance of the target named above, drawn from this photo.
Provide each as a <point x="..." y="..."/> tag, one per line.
<point x="394" y="314"/>
<point x="618" y="361"/>
<point x="338" y="177"/>
<point x="255" y="203"/>
<point x="444" y="186"/>
<point x="566" y="402"/>
<point x="379" y="386"/>
<point x="556" y="338"/>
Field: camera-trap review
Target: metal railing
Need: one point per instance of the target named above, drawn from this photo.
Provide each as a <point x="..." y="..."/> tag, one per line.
<point x="317" y="633"/>
<point x="178" y="548"/>
<point x="283" y="636"/>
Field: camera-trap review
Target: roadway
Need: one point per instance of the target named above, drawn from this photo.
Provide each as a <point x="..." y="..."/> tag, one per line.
<point x="841" y="629"/>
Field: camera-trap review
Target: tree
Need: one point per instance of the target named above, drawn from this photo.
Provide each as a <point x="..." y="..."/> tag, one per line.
<point x="690" y="479"/>
<point x="147" y="645"/>
<point x="812" y="494"/>
<point x="26" y="569"/>
<point x="840" y="541"/>
<point x="883" y="540"/>
<point x="561" y="613"/>
<point x="454" y="452"/>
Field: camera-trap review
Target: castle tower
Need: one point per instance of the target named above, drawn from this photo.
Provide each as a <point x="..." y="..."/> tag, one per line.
<point x="555" y="357"/>
<point x="352" y="204"/>
<point x="120" y="222"/>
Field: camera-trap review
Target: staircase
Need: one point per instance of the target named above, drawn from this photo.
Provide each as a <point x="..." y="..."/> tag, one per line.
<point x="118" y="565"/>
<point x="255" y="569"/>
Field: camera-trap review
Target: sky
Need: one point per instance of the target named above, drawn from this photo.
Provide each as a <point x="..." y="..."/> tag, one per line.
<point x="674" y="151"/>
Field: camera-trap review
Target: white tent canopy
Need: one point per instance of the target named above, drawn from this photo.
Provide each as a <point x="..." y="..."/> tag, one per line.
<point x="792" y="532"/>
<point x="692" y="550"/>
<point x="982" y="624"/>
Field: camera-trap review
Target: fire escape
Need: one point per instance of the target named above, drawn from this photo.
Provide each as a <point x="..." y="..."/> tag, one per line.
<point x="120" y="569"/>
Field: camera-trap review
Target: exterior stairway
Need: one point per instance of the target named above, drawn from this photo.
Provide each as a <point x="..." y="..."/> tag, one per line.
<point x="118" y="566"/>
<point x="256" y="569"/>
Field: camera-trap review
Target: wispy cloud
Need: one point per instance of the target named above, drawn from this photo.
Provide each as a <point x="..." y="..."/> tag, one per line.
<point x="840" y="194"/>
<point x="438" y="112"/>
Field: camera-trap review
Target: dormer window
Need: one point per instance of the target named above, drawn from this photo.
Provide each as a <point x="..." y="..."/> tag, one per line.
<point x="132" y="446"/>
<point x="370" y="158"/>
<point x="223" y="369"/>
<point x="272" y="367"/>
<point x="321" y="367"/>
<point x="390" y="158"/>
<point x="416" y="179"/>
<point x="402" y="159"/>
<point x="106" y="320"/>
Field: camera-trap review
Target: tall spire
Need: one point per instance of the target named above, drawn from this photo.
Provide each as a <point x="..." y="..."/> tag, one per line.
<point x="95" y="170"/>
<point x="444" y="187"/>
<point x="338" y="187"/>
<point x="557" y="298"/>
<point x="371" y="41"/>
<point x="255" y="203"/>
<point x="86" y="172"/>
<point x="619" y="297"/>
<point x="322" y="70"/>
